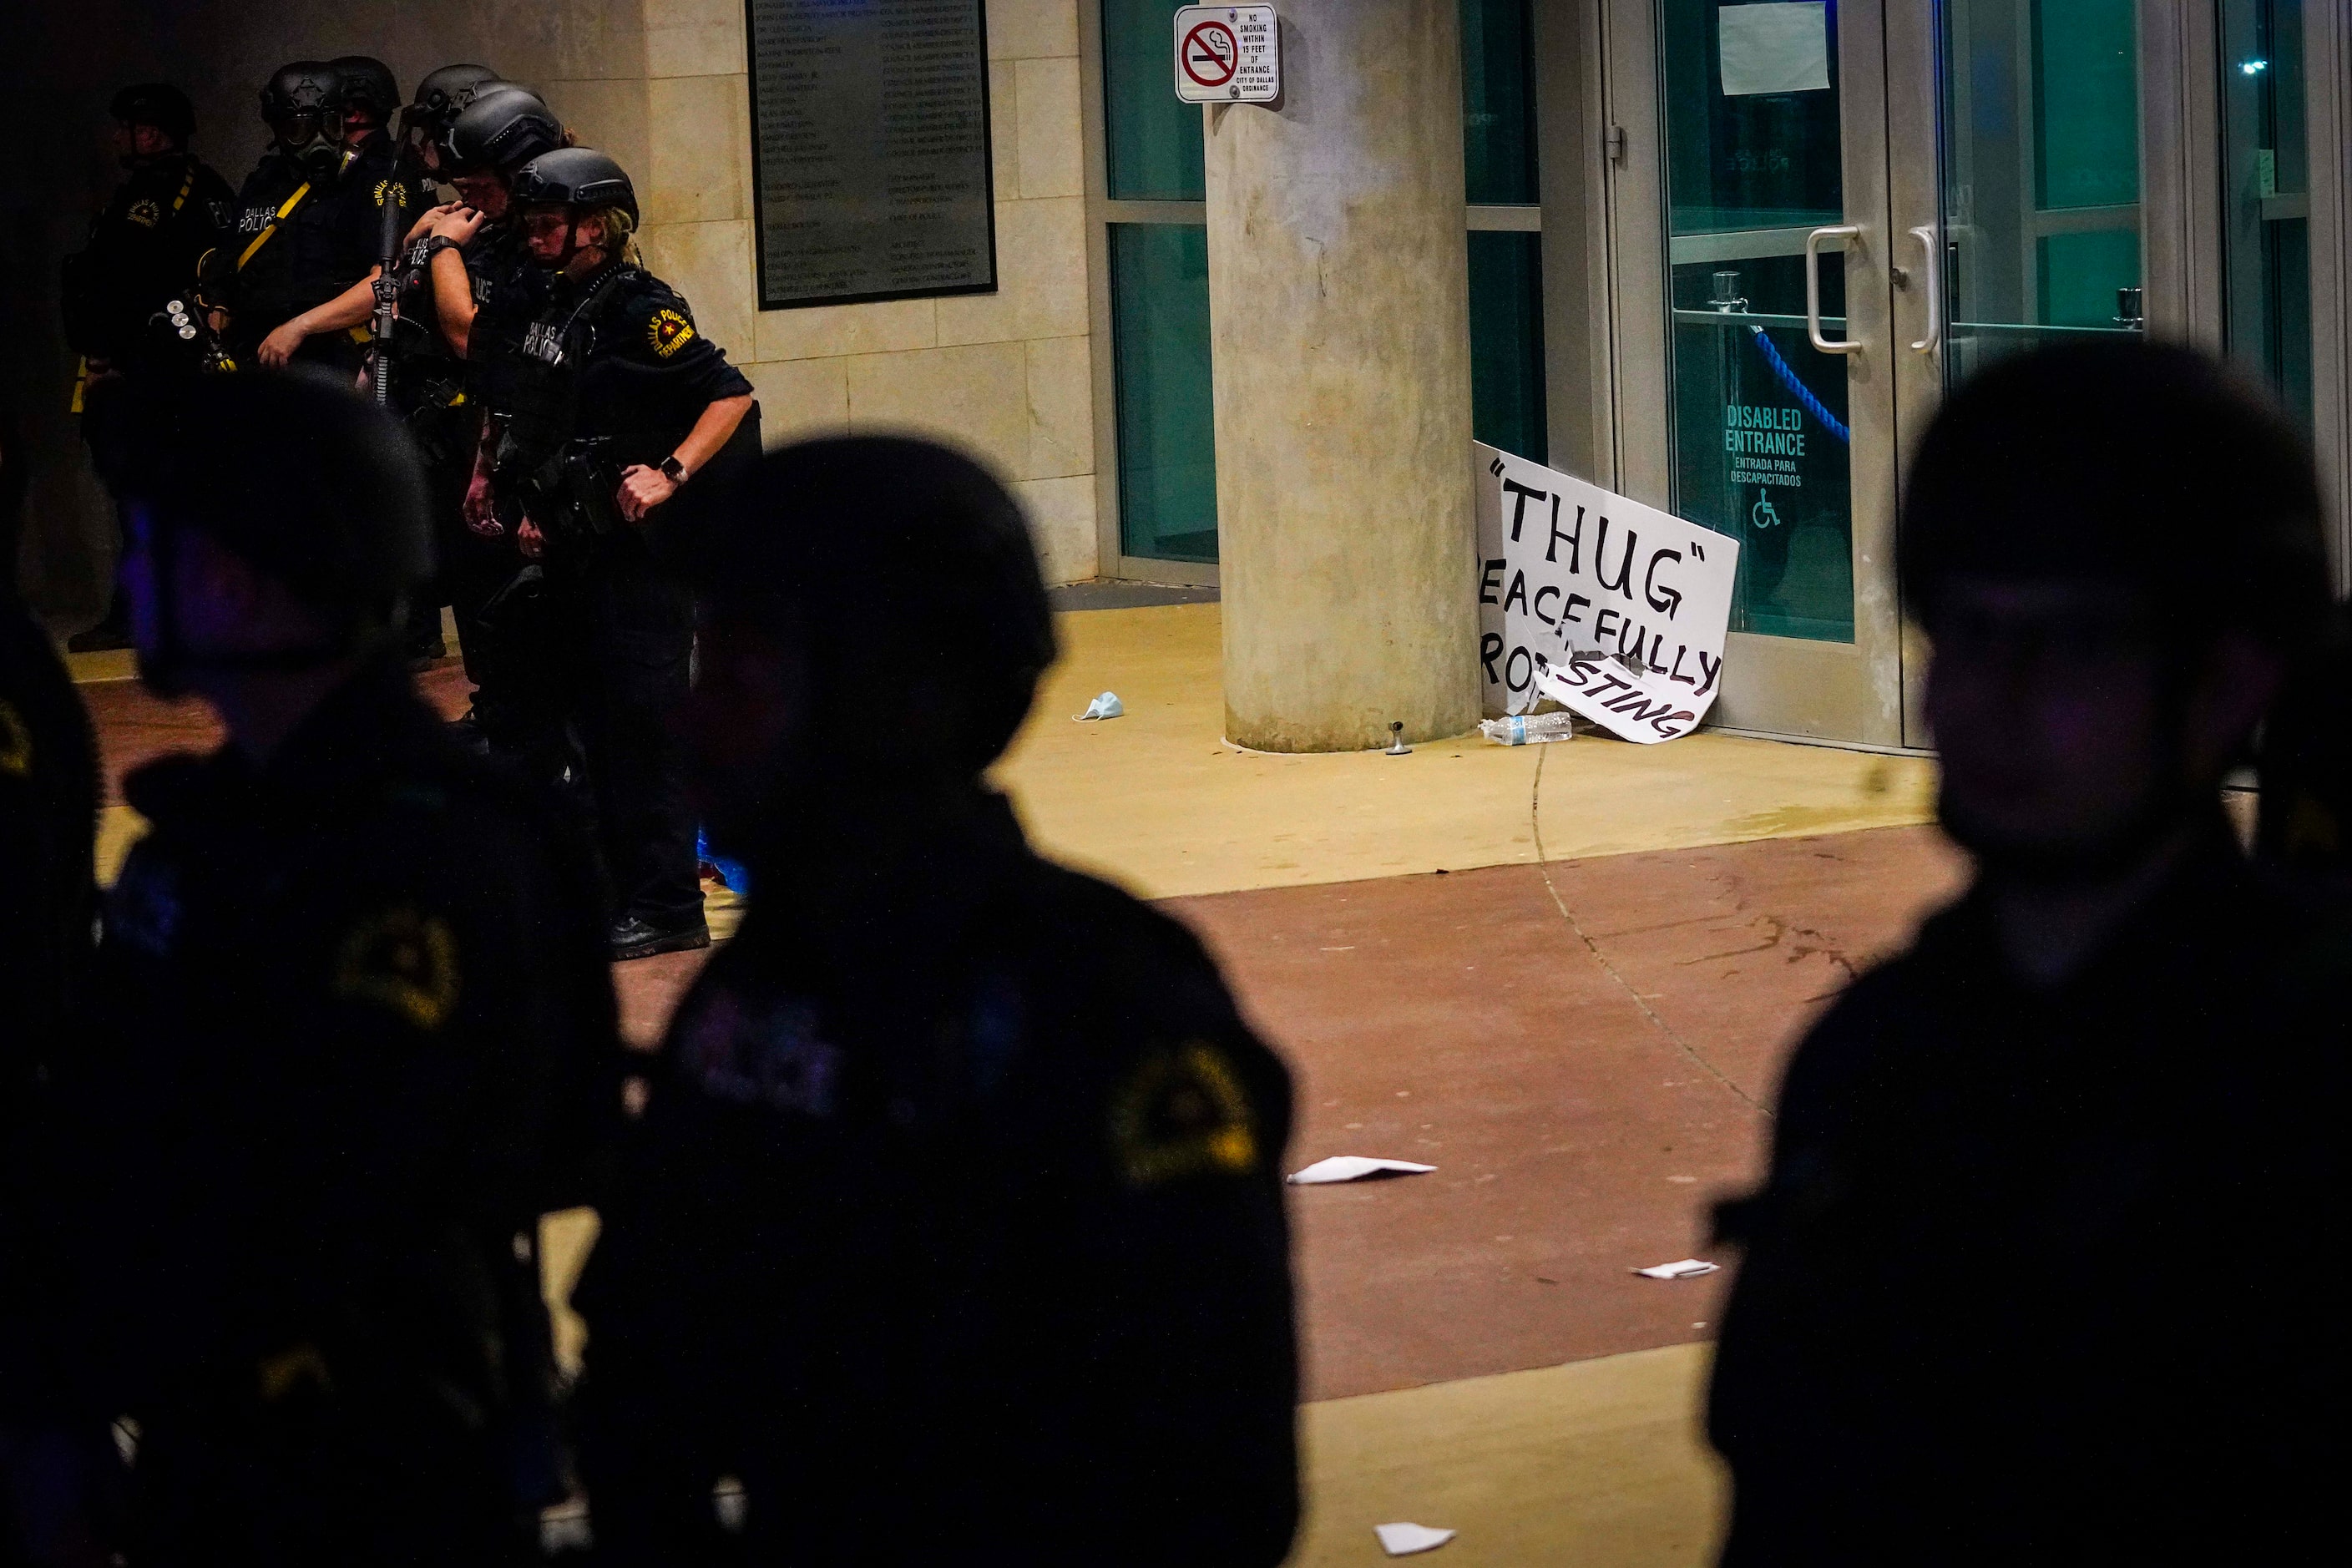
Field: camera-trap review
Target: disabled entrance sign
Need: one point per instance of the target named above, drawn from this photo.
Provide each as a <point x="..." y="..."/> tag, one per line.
<point x="1615" y="610"/>
<point x="1228" y="54"/>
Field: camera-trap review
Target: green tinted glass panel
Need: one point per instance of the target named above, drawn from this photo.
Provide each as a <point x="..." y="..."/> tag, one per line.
<point x="2081" y="272"/>
<point x="1759" y="415"/>
<point x="1498" y="102"/>
<point x="2085" y="103"/>
<point x="1167" y="433"/>
<point x="1744" y="159"/>
<point x="2266" y="201"/>
<point x="2041" y="155"/>
<point x="1762" y="449"/>
<point x="1151" y="142"/>
<point x="1506" y="372"/>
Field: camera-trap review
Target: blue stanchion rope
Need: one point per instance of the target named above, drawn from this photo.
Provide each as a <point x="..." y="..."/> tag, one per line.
<point x="1798" y="389"/>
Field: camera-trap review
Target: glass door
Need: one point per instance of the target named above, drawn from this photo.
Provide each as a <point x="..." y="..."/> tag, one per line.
<point x="1778" y="419"/>
<point x="1858" y="205"/>
<point x="2016" y="187"/>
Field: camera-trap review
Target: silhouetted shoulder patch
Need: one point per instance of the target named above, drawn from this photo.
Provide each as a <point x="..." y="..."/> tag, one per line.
<point x="1182" y="1110"/>
<point x="403" y="961"/>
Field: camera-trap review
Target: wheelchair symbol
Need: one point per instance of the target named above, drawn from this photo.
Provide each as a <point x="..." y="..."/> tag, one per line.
<point x="1761" y="514"/>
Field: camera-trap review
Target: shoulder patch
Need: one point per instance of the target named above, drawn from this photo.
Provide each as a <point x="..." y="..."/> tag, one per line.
<point x="668" y="331"/>
<point x="392" y="189"/>
<point x="16" y="742"/>
<point x="403" y="961"/>
<point x="1181" y="1111"/>
<point x="146" y="213"/>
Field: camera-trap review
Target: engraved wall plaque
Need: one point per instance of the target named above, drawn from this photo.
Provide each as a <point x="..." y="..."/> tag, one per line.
<point x="870" y="150"/>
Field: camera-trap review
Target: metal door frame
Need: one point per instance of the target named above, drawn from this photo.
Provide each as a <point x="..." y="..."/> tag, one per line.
<point x="1789" y="686"/>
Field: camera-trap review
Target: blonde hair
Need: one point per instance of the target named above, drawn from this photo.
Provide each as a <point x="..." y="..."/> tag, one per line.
<point x="620" y="234"/>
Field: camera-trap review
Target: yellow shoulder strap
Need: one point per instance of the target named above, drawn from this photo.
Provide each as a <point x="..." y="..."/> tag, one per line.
<point x="263" y="238"/>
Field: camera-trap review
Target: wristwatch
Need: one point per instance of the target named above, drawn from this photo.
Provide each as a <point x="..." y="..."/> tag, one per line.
<point x="672" y="470"/>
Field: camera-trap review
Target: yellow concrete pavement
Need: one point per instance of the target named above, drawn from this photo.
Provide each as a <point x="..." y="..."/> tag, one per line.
<point x="1595" y="1462"/>
<point x="1159" y="802"/>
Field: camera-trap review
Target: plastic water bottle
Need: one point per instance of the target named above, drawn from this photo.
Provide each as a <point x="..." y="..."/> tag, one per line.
<point x="1529" y="729"/>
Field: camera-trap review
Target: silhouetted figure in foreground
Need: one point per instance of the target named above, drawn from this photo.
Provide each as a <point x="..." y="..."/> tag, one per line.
<point x="48" y="823"/>
<point x="351" y="1032"/>
<point x="2038" y="1273"/>
<point x="953" y="1226"/>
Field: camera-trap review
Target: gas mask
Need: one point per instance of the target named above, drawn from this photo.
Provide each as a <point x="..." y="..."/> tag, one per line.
<point x="313" y="142"/>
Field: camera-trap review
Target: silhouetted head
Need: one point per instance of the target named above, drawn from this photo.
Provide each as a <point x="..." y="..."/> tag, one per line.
<point x="2116" y="552"/>
<point x="275" y="520"/>
<point x="874" y="626"/>
<point x="156" y="119"/>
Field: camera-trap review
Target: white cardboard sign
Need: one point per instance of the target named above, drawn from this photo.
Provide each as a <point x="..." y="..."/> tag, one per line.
<point x="1228" y="54"/>
<point x="1614" y="609"/>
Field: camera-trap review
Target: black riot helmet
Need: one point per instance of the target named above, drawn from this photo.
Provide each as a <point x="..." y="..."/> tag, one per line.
<point x="303" y="107"/>
<point x="822" y="540"/>
<point x="291" y="471"/>
<point x="369" y="86"/>
<point x="576" y="177"/>
<point x="2149" y="466"/>
<point x="442" y="96"/>
<point x="500" y="129"/>
<point x="158" y="104"/>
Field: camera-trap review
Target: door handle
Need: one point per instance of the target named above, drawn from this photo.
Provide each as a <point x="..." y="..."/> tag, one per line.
<point x="1925" y="235"/>
<point x="1852" y="231"/>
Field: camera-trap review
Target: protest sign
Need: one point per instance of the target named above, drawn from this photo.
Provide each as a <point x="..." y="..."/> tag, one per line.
<point x="1614" y="609"/>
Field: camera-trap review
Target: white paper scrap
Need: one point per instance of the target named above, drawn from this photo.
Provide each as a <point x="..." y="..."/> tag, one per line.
<point x="1354" y="1168"/>
<point x="1404" y="1540"/>
<point x="1774" y="48"/>
<point x="1688" y="1269"/>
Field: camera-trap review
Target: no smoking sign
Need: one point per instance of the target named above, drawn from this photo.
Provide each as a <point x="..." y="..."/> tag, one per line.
<point x="1228" y="54"/>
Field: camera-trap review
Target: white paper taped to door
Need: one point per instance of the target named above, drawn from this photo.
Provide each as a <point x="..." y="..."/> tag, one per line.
<point x="1774" y="49"/>
<point x="1614" y="609"/>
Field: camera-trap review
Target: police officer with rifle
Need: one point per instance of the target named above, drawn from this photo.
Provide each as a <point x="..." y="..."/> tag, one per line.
<point x="466" y="271"/>
<point x="620" y="421"/>
<point x="295" y="279"/>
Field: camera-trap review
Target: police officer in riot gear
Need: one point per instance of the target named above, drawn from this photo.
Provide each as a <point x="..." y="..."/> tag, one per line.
<point x="352" y="1032"/>
<point x="142" y="256"/>
<point x="956" y="1194"/>
<point x="2010" y="1290"/>
<point x="441" y="97"/>
<point x="310" y="221"/>
<point x="170" y="209"/>
<point x="601" y="459"/>
<point x="371" y="99"/>
<point x="469" y="267"/>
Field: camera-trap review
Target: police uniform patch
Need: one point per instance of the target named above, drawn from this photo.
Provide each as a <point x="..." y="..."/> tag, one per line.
<point x="146" y="214"/>
<point x="16" y="742"/>
<point x="292" y="1371"/>
<point x="1183" y="1112"/>
<point x="392" y="188"/>
<point x="669" y="331"/>
<point x="403" y="961"/>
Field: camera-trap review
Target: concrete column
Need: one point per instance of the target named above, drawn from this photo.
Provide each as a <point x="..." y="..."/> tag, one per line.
<point x="1340" y="328"/>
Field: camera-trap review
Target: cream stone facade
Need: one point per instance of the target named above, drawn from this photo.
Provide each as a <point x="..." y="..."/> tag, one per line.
<point x="1007" y="375"/>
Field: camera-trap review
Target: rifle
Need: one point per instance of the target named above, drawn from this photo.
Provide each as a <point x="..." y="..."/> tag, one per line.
<point x="387" y="297"/>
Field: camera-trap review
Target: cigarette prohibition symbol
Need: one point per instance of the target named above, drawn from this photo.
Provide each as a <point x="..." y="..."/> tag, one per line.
<point x="1210" y="54"/>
